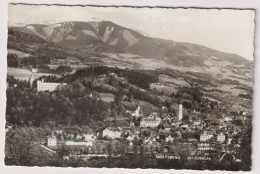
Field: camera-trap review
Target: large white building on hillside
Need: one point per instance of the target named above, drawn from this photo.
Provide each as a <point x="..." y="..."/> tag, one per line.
<point x="48" y="86"/>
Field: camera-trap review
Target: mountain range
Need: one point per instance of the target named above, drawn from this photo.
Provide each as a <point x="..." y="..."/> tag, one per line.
<point x="115" y="45"/>
<point x="108" y="36"/>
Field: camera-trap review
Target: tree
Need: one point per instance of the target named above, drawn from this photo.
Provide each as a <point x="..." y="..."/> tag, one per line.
<point x="122" y="150"/>
<point x="12" y="60"/>
<point x="109" y="149"/>
<point x="183" y="150"/>
<point x="19" y="145"/>
<point x="245" y="149"/>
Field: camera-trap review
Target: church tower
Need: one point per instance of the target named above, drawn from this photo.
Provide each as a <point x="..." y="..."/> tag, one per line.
<point x="180" y="112"/>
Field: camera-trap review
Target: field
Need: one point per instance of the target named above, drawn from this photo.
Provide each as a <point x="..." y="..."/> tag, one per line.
<point x="18" y="53"/>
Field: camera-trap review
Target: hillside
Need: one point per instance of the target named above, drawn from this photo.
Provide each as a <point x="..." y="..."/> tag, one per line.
<point x="174" y="64"/>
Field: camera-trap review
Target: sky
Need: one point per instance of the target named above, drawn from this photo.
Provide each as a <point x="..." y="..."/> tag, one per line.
<point x="230" y="31"/>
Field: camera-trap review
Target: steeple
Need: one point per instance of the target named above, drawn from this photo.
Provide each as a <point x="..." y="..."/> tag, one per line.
<point x="180" y="112"/>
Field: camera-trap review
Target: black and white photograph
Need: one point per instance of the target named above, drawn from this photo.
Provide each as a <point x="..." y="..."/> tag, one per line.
<point x="129" y="87"/>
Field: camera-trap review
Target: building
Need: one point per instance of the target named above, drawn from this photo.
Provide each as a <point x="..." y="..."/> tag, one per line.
<point x="197" y="123"/>
<point x="79" y="137"/>
<point x="130" y="138"/>
<point x="169" y="138"/>
<point x="148" y="141"/>
<point x="34" y="70"/>
<point x="89" y="137"/>
<point x="48" y="86"/>
<point x="221" y="137"/>
<point x="151" y="121"/>
<point x="58" y="132"/>
<point x="205" y="147"/>
<point x="75" y="143"/>
<point x="51" y="141"/>
<point x="184" y="126"/>
<point x="180" y="112"/>
<point x="227" y="119"/>
<point x="135" y="113"/>
<point x="111" y="133"/>
<point x="205" y="136"/>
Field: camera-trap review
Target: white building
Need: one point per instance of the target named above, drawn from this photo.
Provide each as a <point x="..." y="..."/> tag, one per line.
<point x="148" y="141"/>
<point x="52" y="141"/>
<point x="59" y="132"/>
<point x="184" y="126"/>
<point x="136" y="113"/>
<point x="74" y="143"/>
<point x="180" y="112"/>
<point x="169" y="138"/>
<point x="34" y="70"/>
<point x="111" y="133"/>
<point x="89" y="137"/>
<point x="79" y="137"/>
<point x="151" y="121"/>
<point x="48" y="86"/>
<point x="227" y="119"/>
<point x="205" y="136"/>
<point x="229" y="140"/>
<point x="205" y="147"/>
<point x="196" y="123"/>
<point x="221" y="137"/>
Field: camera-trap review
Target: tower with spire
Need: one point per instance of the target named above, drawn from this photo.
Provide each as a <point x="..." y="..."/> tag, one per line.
<point x="180" y="112"/>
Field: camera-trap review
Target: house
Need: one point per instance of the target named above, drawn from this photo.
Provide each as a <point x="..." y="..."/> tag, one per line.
<point x="136" y="113"/>
<point x="148" y="141"/>
<point x="205" y="147"/>
<point x="79" y="137"/>
<point x="112" y="133"/>
<point x="196" y="123"/>
<point x="229" y="140"/>
<point x="89" y="137"/>
<point x="130" y="138"/>
<point x="227" y="119"/>
<point x="221" y="137"/>
<point x="169" y="138"/>
<point x="34" y="70"/>
<point x="167" y="127"/>
<point x="184" y="126"/>
<point x="151" y="121"/>
<point x="205" y="136"/>
<point x="59" y="132"/>
<point x="51" y="141"/>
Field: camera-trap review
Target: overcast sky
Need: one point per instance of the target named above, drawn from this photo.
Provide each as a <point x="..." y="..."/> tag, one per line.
<point x="230" y="31"/>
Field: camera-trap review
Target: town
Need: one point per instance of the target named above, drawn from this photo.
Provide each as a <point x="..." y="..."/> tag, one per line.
<point x="98" y="94"/>
<point x="157" y="133"/>
<point x="183" y="136"/>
